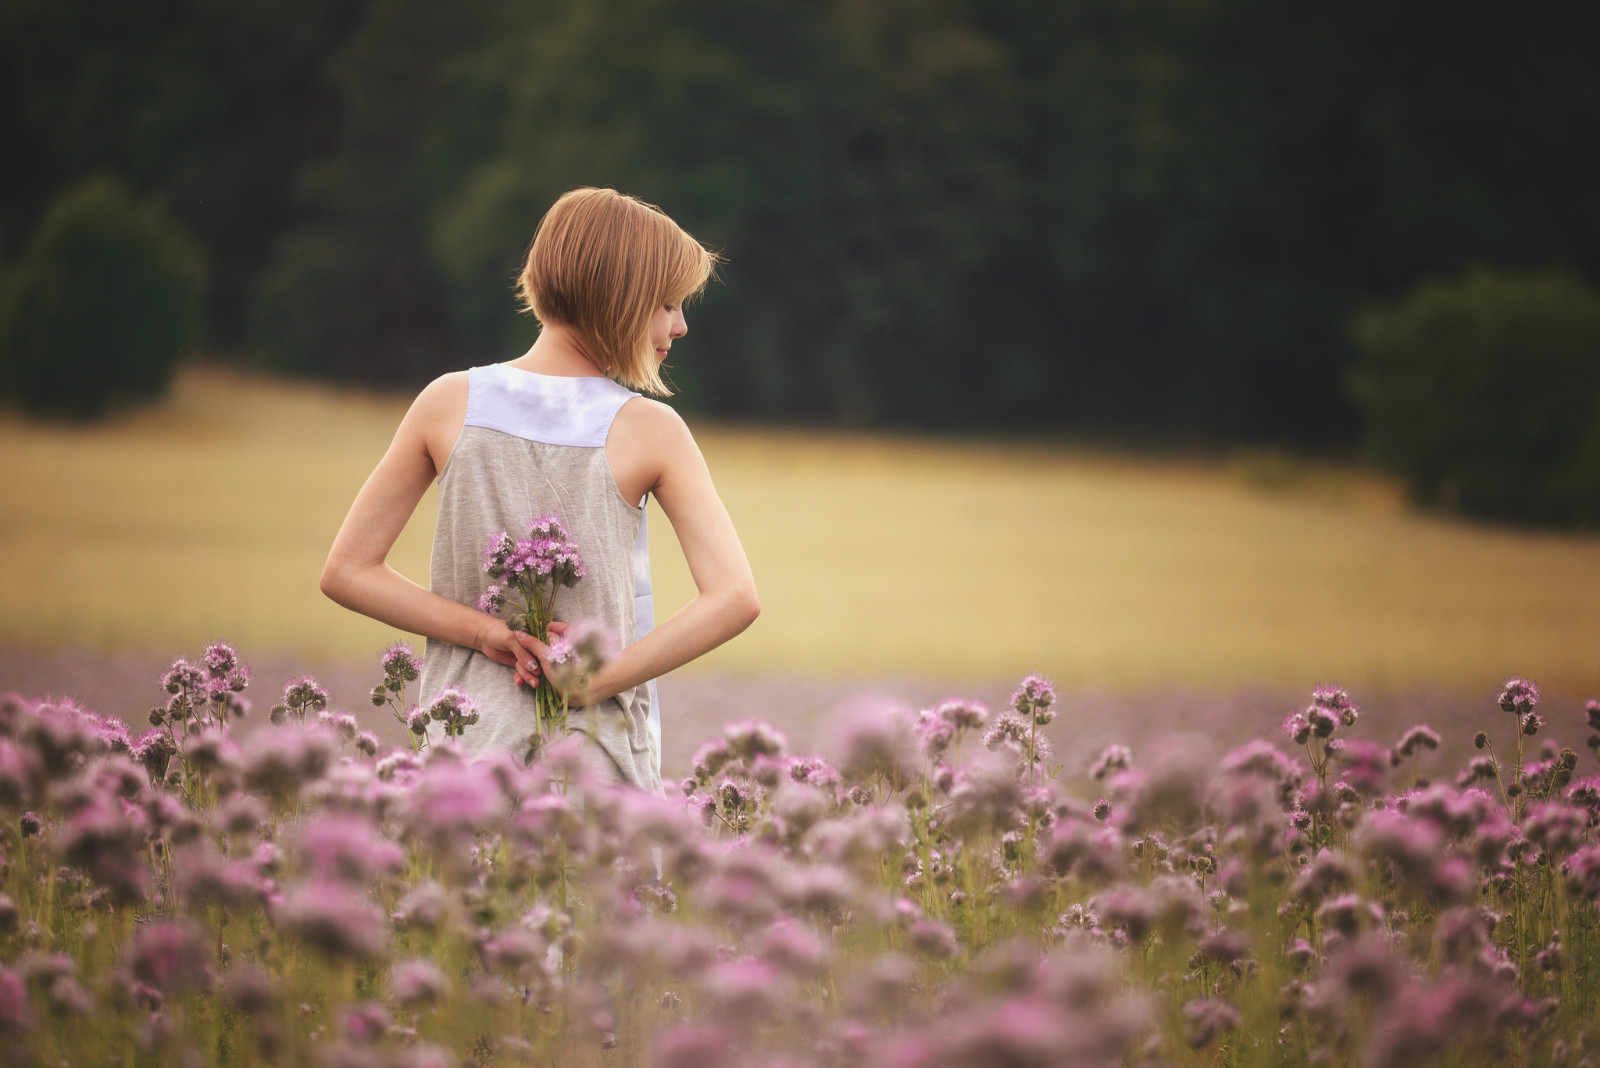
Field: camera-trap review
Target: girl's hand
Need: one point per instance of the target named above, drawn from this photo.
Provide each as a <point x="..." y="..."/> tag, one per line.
<point x="503" y="645"/>
<point x="531" y="653"/>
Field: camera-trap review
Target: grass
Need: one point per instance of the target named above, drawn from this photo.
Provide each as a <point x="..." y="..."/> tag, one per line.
<point x="209" y="516"/>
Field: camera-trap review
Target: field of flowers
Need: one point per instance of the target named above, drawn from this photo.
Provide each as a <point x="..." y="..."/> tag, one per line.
<point x="932" y="896"/>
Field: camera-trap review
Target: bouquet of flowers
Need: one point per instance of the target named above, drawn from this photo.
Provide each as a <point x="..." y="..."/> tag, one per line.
<point x="534" y="569"/>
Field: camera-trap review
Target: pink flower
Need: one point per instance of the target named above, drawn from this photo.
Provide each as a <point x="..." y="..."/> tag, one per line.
<point x="450" y="799"/>
<point x="340" y="845"/>
<point x="171" y="957"/>
<point x="1207" y="1019"/>
<point x="417" y="982"/>
<point x="334" y="918"/>
<point x="696" y="1046"/>
<point x="877" y="742"/>
<point x="1556" y="827"/>
<point x="16" y="1015"/>
<point x="1035" y="699"/>
<point x="1519" y="697"/>
<point x="793" y="948"/>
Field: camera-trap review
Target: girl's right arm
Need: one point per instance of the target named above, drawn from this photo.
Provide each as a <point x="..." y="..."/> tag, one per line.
<point x="357" y="574"/>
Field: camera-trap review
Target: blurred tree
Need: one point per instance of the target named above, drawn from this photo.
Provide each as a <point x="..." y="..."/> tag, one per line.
<point x="850" y="159"/>
<point x="351" y="292"/>
<point x="1124" y="216"/>
<point x="103" y="302"/>
<point x="213" y="105"/>
<point x="1484" y="393"/>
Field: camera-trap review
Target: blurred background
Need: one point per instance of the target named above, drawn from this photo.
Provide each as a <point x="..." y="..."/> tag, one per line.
<point x="1202" y="347"/>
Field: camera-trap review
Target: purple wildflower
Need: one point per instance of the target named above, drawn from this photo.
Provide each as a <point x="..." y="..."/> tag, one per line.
<point x="1128" y="908"/>
<point x="302" y="696"/>
<point x="338" y="845"/>
<point x="1519" y="697"/>
<point x="1417" y="739"/>
<point x="1364" y="763"/>
<point x="697" y="1046"/>
<point x="401" y="663"/>
<point x="579" y="654"/>
<point x="877" y="742"/>
<point x="281" y="761"/>
<point x="1006" y="728"/>
<point x="450" y="799"/>
<point x="417" y="982"/>
<point x="183" y="676"/>
<point x="1531" y="723"/>
<point x="1113" y="758"/>
<point x="1035" y="698"/>
<point x="746" y="989"/>
<point x="171" y="957"/>
<point x="16" y="1015"/>
<point x="455" y="710"/>
<point x="1582" y="873"/>
<point x="813" y="770"/>
<point x="106" y="839"/>
<point x="934" y="733"/>
<point x="793" y="948"/>
<point x="963" y="715"/>
<point x="1207" y="1019"/>
<point x="1556" y="827"/>
<point x="333" y="918"/>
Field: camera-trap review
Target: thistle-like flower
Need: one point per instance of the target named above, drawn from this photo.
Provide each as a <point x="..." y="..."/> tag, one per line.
<point x="1519" y="697"/>
<point x="1035" y="699"/>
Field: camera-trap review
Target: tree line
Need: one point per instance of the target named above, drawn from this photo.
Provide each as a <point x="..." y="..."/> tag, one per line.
<point x="1099" y="216"/>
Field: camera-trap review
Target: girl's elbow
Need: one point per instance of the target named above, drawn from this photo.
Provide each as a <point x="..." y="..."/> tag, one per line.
<point x="746" y="606"/>
<point x="333" y="582"/>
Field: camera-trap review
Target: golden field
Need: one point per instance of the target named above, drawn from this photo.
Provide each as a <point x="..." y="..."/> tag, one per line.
<point x="209" y="517"/>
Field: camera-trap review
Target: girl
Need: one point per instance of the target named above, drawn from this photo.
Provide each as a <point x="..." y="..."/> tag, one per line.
<point x="561" y="430"/>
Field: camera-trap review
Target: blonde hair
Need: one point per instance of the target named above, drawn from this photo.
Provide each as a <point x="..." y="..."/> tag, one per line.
<point x="600" y="264"/>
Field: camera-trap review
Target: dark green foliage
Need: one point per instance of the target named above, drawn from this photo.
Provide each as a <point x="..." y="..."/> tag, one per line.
<point x="1484" y="393"/>
<point x="1127" y="216"/>
<point x="103" y="302"/>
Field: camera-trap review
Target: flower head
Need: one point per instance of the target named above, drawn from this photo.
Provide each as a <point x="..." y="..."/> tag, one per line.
<point x="1417" y="739"/>
<point x="334" y="918"/>
<point x="1519" y="696"/>
<point x="579" y="654"/>
<point x="454" y="709"/>
<point x="1113" y="758"/>
<point x="170" y="957"/>
<point x="1035" y="698"/>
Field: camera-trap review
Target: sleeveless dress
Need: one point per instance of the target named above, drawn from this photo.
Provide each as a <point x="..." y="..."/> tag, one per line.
<point x="533" y="445"/>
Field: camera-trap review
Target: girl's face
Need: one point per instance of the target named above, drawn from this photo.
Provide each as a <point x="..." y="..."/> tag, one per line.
<point x="666" y="326"/>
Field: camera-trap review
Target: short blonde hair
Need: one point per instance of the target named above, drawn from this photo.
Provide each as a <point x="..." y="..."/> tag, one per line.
<point x="600" y="264"/>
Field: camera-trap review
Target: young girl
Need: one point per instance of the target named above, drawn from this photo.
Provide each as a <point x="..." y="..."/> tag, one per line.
<point x="560" y="430"/>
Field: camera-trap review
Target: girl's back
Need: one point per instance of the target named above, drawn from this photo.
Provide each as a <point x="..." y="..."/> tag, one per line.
<point x="529" y="445"/>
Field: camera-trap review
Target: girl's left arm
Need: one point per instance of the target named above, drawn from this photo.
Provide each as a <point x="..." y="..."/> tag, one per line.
<point x="725" y="600"/>
<point x="357" y="573"/>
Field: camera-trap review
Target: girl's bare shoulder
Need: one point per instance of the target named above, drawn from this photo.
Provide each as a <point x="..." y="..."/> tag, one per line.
<point x="652" y="424"/>
<point x="436" y="416"/>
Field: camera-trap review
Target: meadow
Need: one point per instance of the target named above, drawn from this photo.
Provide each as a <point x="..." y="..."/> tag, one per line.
<point x="1146" y="868"/>
<point x="940" y="560"/>
<point x="931" y="895"/>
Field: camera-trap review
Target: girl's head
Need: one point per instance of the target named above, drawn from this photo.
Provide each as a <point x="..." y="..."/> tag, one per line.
<point x="601" y="263"/>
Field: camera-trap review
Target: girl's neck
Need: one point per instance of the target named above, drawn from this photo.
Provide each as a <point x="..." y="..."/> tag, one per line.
<point x="558" y="352"/>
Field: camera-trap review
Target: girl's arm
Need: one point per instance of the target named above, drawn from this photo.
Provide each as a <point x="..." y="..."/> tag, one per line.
<point x="357" y="574"/>
<point x="662" y="456"/>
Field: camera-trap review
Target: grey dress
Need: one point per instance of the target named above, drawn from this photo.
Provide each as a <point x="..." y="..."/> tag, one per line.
<point x="533" y="445"/>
